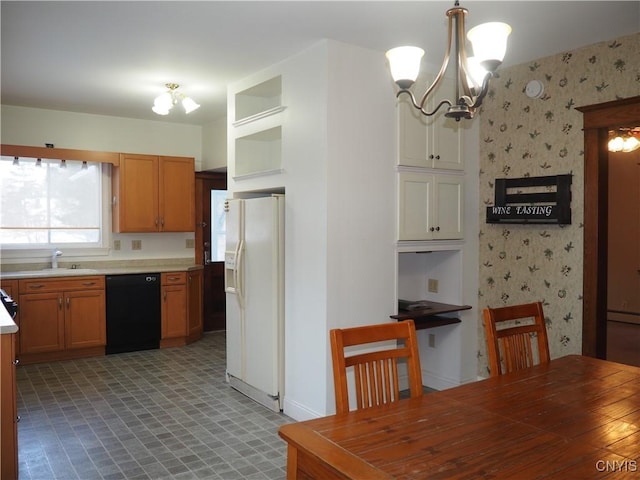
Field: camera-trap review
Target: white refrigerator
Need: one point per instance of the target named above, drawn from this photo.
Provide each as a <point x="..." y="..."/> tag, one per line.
<point x="254" y="285"/>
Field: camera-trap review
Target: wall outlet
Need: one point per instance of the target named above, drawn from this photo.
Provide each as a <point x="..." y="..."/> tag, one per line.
<point x="432" y="285"/>
<point x="136" y="244"/>
<point x="432" y="340"/>
<point x="116" y="244"/>
<point x="190" y="243"/>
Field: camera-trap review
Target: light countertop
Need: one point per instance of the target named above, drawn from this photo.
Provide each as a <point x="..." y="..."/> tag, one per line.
<point x="96" y="269"/>
<point x="7" y="325"/>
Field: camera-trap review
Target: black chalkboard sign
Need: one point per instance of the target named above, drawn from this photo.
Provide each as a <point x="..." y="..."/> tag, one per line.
<point x="518" y="200"/>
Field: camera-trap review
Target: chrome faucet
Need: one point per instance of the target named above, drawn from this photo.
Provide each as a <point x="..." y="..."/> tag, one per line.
<point x="54" y="258"/>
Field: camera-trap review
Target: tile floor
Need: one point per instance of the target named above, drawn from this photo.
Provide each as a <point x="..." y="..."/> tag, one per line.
<point x="156" y="414"/>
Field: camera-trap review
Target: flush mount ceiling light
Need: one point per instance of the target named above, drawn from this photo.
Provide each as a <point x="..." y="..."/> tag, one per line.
<point x="489" y="42"/>
<point x="624" y="140"/>
<point x="165" y="102"/>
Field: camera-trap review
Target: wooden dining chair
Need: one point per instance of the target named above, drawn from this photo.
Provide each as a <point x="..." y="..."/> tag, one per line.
<point x="375" y="370"/>
<point x="513" y="333"/>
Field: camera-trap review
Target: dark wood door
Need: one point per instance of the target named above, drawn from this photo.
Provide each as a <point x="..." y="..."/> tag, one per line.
<point x="213" y="302"/>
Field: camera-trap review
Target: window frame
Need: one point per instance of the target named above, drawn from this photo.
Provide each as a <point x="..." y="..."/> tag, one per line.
<point x="25" y="254"/>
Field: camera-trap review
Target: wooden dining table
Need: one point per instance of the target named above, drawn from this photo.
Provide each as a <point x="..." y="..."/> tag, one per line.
<point x="573" y="418"/>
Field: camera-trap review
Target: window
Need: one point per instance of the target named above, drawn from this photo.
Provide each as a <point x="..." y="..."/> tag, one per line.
<point x="46" y="203"/>
<point x="218" y="225"/>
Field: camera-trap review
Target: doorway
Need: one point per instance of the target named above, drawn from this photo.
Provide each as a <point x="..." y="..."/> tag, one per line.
<point x="598" y="119"/>
<point x="211" y="191"/>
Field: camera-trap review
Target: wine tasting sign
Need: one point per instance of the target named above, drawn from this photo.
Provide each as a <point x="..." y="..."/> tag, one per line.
<point x="532" y="200"/>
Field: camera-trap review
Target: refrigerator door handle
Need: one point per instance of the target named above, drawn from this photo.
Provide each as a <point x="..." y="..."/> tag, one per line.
<point x="238" y="275"/>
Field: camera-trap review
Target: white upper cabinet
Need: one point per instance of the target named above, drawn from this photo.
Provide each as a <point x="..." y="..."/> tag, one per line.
<point x="430" y="206"/>
<point x="430" y="142"/>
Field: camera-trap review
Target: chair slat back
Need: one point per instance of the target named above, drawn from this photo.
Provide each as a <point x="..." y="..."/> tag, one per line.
<point x="376" y="372"/>
<point x="512" y="345"/>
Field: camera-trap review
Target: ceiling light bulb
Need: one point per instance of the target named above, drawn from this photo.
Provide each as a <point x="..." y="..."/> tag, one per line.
<point x="615" y="144"/>
<point x="404" y="63"/>
<point x="164" y="101"/>
<point x="160" y="110"/>
<point x="475" y="72"/>
<point x="189" y="105"/>
<point x="630" y="144"/>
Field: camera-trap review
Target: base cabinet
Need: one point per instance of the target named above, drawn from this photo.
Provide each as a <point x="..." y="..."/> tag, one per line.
<point x="181" y="308"/>
<point x="65" y="319"/>
<point x="8" y="409"/>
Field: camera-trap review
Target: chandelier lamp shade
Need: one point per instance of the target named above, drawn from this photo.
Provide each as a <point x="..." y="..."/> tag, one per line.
<point x="166" y="101"/>
<point x="489" y="42"/>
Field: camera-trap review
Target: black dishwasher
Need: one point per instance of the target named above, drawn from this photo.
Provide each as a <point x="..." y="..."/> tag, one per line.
<point x="133" y="312"/>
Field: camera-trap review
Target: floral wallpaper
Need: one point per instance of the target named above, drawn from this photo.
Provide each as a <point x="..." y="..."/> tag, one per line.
<point x="522" y="136"/>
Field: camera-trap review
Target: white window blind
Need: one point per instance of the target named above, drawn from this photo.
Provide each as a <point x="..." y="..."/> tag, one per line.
<point x="47" y="203"/>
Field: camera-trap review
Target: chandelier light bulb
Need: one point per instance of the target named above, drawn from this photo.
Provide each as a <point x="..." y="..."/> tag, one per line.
<point x="404" y="63"/>
<point x="631" y="144"/>
<point x="189" y="105"/>
<point x="489" y="41"/>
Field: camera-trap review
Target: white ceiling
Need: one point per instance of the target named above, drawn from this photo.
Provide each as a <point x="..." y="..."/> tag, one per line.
<point x="114" y="57"/>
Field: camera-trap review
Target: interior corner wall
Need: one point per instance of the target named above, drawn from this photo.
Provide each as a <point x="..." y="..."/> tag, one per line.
<point x="82" y="131"/>
<point x="214" y="145"/>
<point x="522" y="136"/>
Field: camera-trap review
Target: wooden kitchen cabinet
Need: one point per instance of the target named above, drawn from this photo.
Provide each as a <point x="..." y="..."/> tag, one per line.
<point x="8" y="409"/>
<point x="62" y="317"/>
<point x="153" y="194"/>
<point x="174" y="309"/>
<point x="181" y="308"/>
<point x="430" y="206"/>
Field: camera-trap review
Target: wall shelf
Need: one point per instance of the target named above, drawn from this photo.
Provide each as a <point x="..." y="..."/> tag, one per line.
<point x="431" y="315"/>
<point x="532" y="200"/>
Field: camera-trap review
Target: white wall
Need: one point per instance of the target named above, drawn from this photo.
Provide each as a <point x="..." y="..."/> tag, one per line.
<point x="338" y="156"/>
<point x="214" y="145"/>
<point x="81" y="131"/>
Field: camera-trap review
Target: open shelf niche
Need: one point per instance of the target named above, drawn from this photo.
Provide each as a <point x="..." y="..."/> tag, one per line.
<point x="258" y="129"/>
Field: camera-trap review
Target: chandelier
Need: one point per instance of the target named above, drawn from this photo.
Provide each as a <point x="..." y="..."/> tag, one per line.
<point x="165" y="102"/>
<point x="489" y="41"/>
<point x="624" y="140"/>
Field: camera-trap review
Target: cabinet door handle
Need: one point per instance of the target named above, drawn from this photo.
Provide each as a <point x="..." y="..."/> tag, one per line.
<point x="36" y="285"/>
<point x="88" y="284"/>
<point x="164" y="296"/>
<point x="60" y="303"/>
<point x="16" y="362"/>
<point x="174" y="278"/>
<point x="68" y="302"/>
<point x="431" y="157"/>
<point x="18" y="418"/>
<point x="437" y="157"/>
<point x="437" y="229"/>
<point x="431" y="229"/>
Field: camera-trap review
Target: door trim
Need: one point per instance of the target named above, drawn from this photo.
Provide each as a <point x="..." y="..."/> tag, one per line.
<point x="596" y="121"/>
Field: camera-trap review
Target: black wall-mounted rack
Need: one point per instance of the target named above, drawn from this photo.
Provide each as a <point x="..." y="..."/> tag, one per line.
<point x="525" y="206"/>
